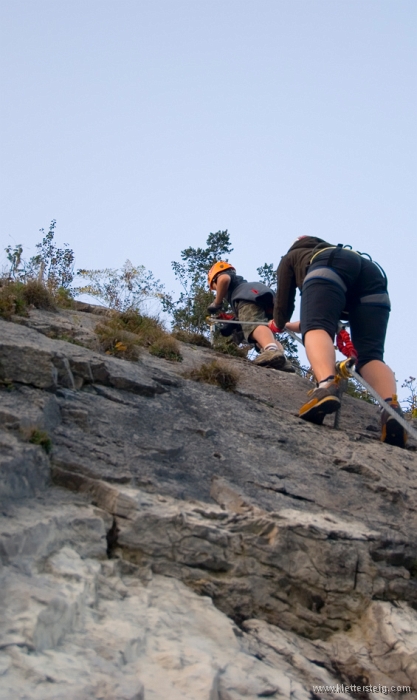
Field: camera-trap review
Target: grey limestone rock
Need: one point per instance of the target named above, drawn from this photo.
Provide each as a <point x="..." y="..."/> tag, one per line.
<point x="187" y="543"/>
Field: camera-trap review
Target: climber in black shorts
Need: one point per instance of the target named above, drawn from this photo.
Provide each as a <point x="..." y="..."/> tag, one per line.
<point x="334" y="282"/>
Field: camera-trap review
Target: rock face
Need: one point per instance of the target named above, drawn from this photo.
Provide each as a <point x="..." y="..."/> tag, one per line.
<point x="180" y="541"/>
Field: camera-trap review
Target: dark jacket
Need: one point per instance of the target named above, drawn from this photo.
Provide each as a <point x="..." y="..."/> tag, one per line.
<point x="290" y="275"/>
<point x="251" y="292"/>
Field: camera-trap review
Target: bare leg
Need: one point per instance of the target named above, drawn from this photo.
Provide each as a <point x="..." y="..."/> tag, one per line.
<point x="380" y="377"/>
<point x="324" y="399"/>
<point x="263" y="337"/>
<point x="321" y="354"/>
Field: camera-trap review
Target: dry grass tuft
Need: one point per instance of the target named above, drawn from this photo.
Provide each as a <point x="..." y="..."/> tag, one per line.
<point x="12" y="300"/>
<point x="192" y="338"/>
<point x="147" y="328"/>
<point x="16" y="297"/>
<point x="228" y="347"/>
<point x="215" y="373"/>
<point x="37" y="295"/>
<point x="116" y="341"/>
<point x="166" y="347"/>
<point x="122" y="335"/>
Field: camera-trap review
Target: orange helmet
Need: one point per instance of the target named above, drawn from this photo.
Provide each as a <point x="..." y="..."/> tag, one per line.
<point x="216" y="269"/>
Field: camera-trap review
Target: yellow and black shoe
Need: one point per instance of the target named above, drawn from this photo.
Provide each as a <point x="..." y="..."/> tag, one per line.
<point x="392" y="433"/>
<point x="323" y="400"/>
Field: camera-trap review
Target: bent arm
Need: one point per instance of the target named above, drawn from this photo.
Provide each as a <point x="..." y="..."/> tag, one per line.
<point x="222" y="286"/>
<point x="285" y="296"/>
<point x="293" y="326"/>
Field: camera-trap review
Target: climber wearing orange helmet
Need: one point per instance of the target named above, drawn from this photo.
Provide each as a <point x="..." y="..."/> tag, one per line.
<point x="215" y="271"/>
<point x="252" y="302"/>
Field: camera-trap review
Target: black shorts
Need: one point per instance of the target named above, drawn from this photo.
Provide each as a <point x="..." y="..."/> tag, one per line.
<point x="351" y="284"/>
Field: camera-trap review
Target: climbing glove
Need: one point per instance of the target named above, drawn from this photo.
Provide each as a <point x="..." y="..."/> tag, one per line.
<point x="273" y="327"/>
<point x="214" y="308"/>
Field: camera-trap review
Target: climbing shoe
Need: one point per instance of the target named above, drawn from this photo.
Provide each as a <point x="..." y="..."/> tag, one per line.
<point x="275" y="359"/>
<point x="323" y="400"/>
<point x="392" y="433"/>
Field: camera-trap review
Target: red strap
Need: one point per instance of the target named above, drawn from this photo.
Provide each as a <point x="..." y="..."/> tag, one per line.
<point x="226" y="317"/>
<point x="273" y="327"/>
<point x="345" y="345"/>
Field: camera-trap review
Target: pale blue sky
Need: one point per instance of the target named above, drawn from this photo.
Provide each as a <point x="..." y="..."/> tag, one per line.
<point x="142" y="125"/>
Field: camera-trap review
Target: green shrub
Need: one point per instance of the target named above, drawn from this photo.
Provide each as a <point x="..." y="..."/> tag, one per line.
<point x="166" y="347"/>
<point x="215" y="373"/>
<point x="63" y="298"/>
<point x="41" y="437"/>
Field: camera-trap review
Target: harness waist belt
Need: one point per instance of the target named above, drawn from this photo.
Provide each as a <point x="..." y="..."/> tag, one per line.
<point x="325" y="273"/>
<point x="379" y="299"/>
<point x="332" y="247"/>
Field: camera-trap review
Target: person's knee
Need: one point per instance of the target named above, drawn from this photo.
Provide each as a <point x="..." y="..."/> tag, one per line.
<point x="325" y="329"/>
<point x="363" y="361"/>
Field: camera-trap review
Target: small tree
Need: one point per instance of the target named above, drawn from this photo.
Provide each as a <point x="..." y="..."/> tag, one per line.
<point x="51" y="265"/>
<point x="411" y="401"/>
<point x="267" y="275"/>
<point x="14" y="256"/>
<point x="127" y="288"/>
<point x="190" y="310"/>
